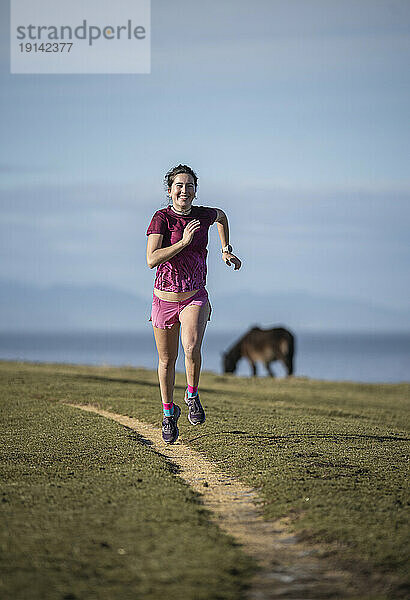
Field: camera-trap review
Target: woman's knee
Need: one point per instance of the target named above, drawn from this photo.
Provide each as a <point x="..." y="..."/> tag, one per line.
<point x="192" y="351"/>
<point x="167" y="361"/>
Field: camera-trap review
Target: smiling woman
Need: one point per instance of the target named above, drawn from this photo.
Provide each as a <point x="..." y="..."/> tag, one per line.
<point x="177" y="241"/>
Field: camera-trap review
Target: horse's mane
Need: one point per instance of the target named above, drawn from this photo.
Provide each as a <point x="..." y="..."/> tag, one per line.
<point x="235" y="350"/>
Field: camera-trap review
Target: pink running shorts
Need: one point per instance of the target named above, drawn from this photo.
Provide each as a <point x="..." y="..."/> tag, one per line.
<point x="165" y="314"/>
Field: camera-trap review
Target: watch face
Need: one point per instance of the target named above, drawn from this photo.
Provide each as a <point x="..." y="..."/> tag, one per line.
<point x="229" y="248"/>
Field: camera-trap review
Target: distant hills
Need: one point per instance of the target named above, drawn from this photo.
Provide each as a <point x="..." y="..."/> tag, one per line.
<point x="25" y="307"/>
<point x="69" y="308"/>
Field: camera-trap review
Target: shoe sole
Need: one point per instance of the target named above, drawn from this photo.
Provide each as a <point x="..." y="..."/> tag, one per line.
<point x="197" y="423"/>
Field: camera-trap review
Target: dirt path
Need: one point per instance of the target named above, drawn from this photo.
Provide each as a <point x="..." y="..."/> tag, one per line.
<point x="289" y="568"/>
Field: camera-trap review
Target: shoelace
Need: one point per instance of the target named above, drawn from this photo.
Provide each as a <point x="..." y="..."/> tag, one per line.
<point x="168" y="424"/>
<point x="194" y="405"/>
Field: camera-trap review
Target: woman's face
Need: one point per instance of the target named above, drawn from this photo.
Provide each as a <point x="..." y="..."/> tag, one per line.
<point x="182" y="191"/>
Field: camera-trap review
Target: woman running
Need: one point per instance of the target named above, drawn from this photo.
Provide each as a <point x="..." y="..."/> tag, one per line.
<point x="177" y="241"/>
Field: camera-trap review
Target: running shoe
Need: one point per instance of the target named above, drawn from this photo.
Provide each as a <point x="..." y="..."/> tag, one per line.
<point x="196" y="414"/>
<point x="170" y="431"/>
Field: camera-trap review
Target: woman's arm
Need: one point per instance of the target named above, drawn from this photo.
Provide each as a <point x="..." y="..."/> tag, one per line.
<point x="223" y="231"/>
<point x="157" y="255"/>
<point x="222" y="226"/>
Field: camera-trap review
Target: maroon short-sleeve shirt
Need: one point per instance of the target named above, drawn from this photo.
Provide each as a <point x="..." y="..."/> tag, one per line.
<point x="186" y="271"/>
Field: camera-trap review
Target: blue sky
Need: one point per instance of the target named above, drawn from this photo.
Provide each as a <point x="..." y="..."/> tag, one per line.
<point x="295" y="115"/>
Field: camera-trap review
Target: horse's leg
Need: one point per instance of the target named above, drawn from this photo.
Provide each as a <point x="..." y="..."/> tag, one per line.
<point x="253" y="365"/>
<point x="288" y="362"/>
<point x="268" y="368"/>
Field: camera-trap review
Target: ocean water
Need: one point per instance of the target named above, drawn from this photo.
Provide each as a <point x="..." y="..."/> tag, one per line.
<point x="364" y="357"/>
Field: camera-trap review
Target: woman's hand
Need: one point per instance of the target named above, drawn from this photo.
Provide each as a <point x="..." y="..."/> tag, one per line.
<point x="229" y="258"/>
<point x="190" y="230"/>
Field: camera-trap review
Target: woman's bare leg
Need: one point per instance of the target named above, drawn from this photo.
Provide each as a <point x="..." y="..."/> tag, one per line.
<point x="167" y="341"/>
<point x="193" y="320"/>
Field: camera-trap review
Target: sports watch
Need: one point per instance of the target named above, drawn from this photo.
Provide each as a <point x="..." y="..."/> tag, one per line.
<point x="227" y="248"/>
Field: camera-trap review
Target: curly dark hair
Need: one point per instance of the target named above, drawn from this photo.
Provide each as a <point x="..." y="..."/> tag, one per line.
<point x="172" y="173"/>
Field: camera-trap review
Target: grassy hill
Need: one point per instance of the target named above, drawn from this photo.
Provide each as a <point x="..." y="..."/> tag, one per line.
<point x="90" y="512"/>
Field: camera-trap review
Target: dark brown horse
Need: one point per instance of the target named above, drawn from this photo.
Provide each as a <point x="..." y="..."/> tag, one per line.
<point x="265" y="345"/>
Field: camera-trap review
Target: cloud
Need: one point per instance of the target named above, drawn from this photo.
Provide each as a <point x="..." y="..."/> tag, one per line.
<point x="316" y="239"/>
<point x="16" y="168"/>
<point x="364" y="213"/>
<point x="45" y="199"/>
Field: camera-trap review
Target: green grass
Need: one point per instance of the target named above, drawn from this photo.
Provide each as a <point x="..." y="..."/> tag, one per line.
<point x="333" y="456"/>
<point x="87" y="511"/>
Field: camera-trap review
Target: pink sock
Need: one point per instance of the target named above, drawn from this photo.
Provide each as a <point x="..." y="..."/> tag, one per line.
<point x="168" y="409"/>
<point x="192" y="391"/>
